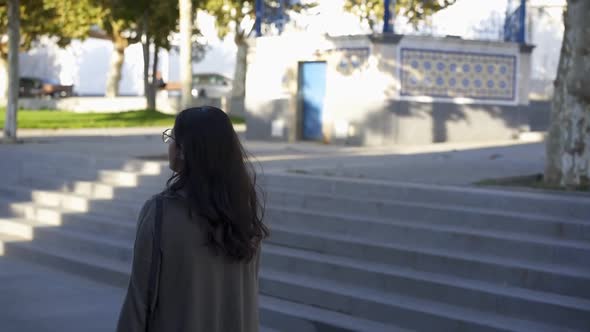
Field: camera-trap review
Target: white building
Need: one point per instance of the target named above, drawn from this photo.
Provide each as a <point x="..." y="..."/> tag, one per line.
<point x="85" y="63"/>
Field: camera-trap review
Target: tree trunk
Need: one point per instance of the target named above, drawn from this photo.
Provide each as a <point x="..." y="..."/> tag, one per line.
<point x="4" y="73"/>
<point x="237" y="101"/>
<point x="117" y="60"/>
<point x="145" y="44"/>
<point x="146" y="71"/>
<point x="114" y="75"/>
<point x="13" y="49"/>
<point x="568" y="141"/>
<point x="153" y="87"/>
<point x="186" y="66"/>
<point x="239" y="81"/>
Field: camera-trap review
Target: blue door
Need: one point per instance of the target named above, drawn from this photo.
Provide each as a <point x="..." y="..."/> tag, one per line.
<point x="313" y="89"/>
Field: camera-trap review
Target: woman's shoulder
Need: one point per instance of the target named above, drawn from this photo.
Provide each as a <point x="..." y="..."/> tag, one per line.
<point x="170" y="200"/>
<point x="149" y="206"/>
<point x="168" y="194"/>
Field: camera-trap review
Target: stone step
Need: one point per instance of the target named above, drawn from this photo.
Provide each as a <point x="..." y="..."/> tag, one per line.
<point x="84" y="243"/>
<point x="475" y="217"/>
<point x="87" y="224"/>
<point x="78" y="195"/>
<point x="506" y="244"/>
<point x="96" y="190"/>
<point x="417" y="213"/>
<point x="454" y="291"/>
<point x="544" y="203"/>
<point x="130" y="179"/>
<point x="390" y="281"/>
<point x="91" y="266"/>
<point x="9" y="240"/>
<point x="56" y="215"/>
<point x="424" y="314"/>
<point x="88" y="189"/>
<point x="277" y="314"/>
<point x="542" y="249"/>
<point x="562" y="206"/>
<point x="436" y="213"/>
<point x="69" y="203"/>
<point x="67" y="163"/>
<point x="21" y="228"/>
<point x="532" y="225"/>
<point x="540" y="245"/>
<point x="451" y="234"/>
<point x="570" y="281"/>
<point x="503" y="244"/>
<point x="492" y="204"/>
<point x="288" y="316"/>
<point x="511" y="271"/>
<point x="38" y="172"/>
<point x="83" y="168"/>
<point x="106" y="223"/>
<point x="91" y="187"/>
<point x="56" y="199"/>
<point x="408" y="312"/>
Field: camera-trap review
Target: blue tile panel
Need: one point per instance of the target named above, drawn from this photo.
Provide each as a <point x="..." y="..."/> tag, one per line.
<point x="350" y="58"/>
<point x="450" y="74"/>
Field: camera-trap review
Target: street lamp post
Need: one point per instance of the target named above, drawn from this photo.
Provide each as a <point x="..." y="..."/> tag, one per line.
<point x="388" y="16"/>
<point x="259" y="9"/>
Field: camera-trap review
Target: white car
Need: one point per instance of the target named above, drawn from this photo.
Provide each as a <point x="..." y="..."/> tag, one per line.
<point x="210" y="85"/>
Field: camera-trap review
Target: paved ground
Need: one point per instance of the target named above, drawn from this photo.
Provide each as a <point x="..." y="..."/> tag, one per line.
<point x="451" y="167"/>
<point x="38" y="299"/>
<point x="456" y="163"/>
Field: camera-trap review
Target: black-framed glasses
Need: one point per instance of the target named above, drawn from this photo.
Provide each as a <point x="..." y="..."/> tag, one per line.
<point x="167" y="136"/>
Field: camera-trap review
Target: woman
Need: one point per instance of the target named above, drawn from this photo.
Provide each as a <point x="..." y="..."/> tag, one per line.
<point x="204" y="278"/>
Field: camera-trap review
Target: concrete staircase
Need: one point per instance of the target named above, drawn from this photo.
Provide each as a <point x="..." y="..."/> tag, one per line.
<point x="344" y="255"/>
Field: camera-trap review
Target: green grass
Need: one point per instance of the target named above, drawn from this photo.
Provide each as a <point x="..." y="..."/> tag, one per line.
<point x="534" y="181"/>
<point x="51" y="119"/>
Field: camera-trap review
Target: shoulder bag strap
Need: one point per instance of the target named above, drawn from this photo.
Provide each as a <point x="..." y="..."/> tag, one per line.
<point x="155" y="265"/>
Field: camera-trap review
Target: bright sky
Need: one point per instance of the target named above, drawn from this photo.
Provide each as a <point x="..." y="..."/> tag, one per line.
<point x="466" y="18"/>
<point x="330" y="17"/>
<point x="459" y="19"/>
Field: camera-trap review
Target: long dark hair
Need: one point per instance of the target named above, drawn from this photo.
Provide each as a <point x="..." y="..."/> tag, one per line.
<point x="219" y="182"/>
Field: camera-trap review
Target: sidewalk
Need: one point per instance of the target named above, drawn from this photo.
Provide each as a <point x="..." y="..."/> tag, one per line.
<point x="38" y="299"/>
<point x="442" y="164"/>
<point x="453" y="166"/>
<point x="56" y="133"/>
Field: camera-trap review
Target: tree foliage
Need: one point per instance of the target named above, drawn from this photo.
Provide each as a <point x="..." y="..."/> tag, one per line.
<point x="371" y="11"/>
<point x="62" y="19"/>
<point x="238" y="17"/>
<point x="238" y="13"/>
<point x="126" y="19"/>
<point x="228" y="13"/>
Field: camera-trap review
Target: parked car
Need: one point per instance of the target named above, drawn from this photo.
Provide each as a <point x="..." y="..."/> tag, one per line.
<point x="38" y="87"/>
<point x="211" y="86"/>
<point x="208" y="85"/>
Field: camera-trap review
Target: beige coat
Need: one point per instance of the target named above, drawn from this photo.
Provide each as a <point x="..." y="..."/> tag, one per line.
<point x="197" y="291"/>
